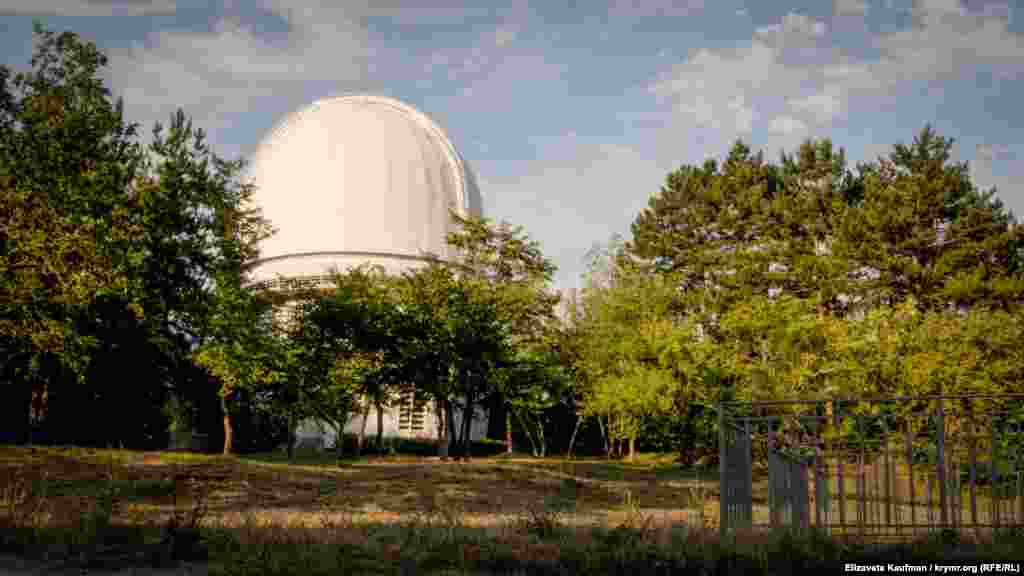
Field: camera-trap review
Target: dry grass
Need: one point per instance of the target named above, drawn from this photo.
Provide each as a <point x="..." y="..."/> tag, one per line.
<point x="379" y="515"/>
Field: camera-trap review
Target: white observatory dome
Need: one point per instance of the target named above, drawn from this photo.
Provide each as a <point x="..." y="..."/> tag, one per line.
<point x="354" y="179"/>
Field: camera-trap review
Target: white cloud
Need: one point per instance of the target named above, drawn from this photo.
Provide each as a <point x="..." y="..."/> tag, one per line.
<point x="592" y="190"/>
<point x="88" y="7"/>
<point x="823" y="106"/>
<point x="851" y="8"/>
<point x="787" y="126"/>
<point x="491" y="47"/>
<point x="988" y="153"/>
<point x="715" y="88"/>
<point x="792" y="23"/>
<point x="216" y="74"/>
<point x="996" y="165"/>
<point x="498" y="89"/>
<point x="792" y="77"/>
<point x="947" y="42"/>
<point x="663" y="8"/>
<point x="505" y="34"/>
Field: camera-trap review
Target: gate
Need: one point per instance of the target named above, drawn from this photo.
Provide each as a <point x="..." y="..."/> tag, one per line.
<point x="885" y="467"/>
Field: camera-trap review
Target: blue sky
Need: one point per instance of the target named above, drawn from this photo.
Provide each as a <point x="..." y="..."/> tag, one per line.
<point x="573" y="113"/>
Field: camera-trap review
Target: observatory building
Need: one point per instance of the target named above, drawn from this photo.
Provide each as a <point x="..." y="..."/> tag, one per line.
<point x="358" y="179"/>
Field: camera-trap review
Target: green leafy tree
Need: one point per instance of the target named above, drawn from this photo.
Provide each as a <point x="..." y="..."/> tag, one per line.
<point x="359" y="327"/>
<point x="928" y="233"/>
<point x="511" y="273"/>
<point x="633" y="351"/>
<point x="66" y="160"/>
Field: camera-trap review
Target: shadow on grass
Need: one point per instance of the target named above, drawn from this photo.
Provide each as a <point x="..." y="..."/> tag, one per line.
<point x="440" y="544"/>
<point x="377" y="516"/>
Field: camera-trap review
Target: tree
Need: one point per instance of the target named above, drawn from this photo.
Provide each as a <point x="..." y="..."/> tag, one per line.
<point x="930" y="234"/>
<point x="629" y="400"/>
<point x="452" y="338"/>
<point x="66" y="160"/>
<point x="515" y="274"/>
<point x="239" y="350"/>
<point x="633" y="351"/>
<point x="910" y="225"/>
<point x="102" y="248"/>
<point x="708" y="227"/>
<point x="358" y="327"/>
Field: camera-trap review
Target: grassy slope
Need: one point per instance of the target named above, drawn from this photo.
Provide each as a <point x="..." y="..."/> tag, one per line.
<point x="261" y="515"/>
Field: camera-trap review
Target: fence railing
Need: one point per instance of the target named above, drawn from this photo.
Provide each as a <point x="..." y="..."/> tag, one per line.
<point x="887" y="467"/>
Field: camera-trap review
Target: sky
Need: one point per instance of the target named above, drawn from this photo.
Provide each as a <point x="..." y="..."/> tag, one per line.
<point x="573" y="113"/>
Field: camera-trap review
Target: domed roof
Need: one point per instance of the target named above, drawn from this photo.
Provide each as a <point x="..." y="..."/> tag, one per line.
<point x="359" y="174"/>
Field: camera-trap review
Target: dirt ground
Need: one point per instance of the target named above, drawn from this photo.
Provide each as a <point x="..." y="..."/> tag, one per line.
<point x="483" y="491"/>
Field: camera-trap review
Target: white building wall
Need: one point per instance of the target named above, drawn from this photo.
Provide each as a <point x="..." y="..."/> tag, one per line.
<point x="315" y="432"/>
<point x="352" y="180"/>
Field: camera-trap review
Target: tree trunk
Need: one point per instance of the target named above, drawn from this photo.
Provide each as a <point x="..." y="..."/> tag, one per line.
<point x="572" y="439"/>
<point x="339" y="441"/>
<point x="541" y="441"/>
<point x="604" y="437"/>
<point x="496" y="416"/>
<point x="227" y="426"/>
<point x="291" y="435"/>
<point x="449" y="420"/>
<point x="528" y="430"/>
<point x="508" y="432"/>
<point x="15" y="412"/>
<point x="362" y="429"/>
<point x="632" y="447"/>
<point x="442" y="434"/>
<point x="467" y="421"/>
<point x="380" y="425"/>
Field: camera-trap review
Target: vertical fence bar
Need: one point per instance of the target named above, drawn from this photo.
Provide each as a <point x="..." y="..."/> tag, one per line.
<point x="788" y="510"/>
<point x="888" y="472"/>
<point x="805" y="492"/>
<point x="871" y="492"/>
<point x="876" y="472"/>
<point x="723" y="477"/>
<point x="748" y="475"/>
<point x="973" y="457"/>
<point x="859" y="491"/>
<point x="840" y="468"/>
<point x="931" y="504"/>
<point x="940" y="441"/>
<point x="820" y="491"/>
<point x="1020" y="499"/>
<point x="992" y="474"/>
<point x="910" y="473"/>
<point x="793" y="520"/>
<point x="861" y="487"/>
<point x="894" y="487"/>
<point x="958" y="516"/>
<point x="773" y="478"/>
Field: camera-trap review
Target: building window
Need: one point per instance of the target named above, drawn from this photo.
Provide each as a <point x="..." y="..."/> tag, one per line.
<point x="411" y="411"/>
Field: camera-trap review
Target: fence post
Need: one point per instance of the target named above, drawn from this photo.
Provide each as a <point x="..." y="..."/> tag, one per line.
<point x="748" y="478"/>
<point x="973" y="456"/>
<point x="723" y="511"/>
<point x="940" y="440"/>
<point x="773" y="477"/>
<point x="1020" y="500"/>
<point x="910" y="473"/>
<point x="841" y="465"/>
<point x="888" y="476"/>
<point x="995" y="494"/>
<point x="862" y="502"/>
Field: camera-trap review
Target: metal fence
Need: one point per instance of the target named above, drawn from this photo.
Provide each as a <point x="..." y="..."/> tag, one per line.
<point x="883" y="467"/>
